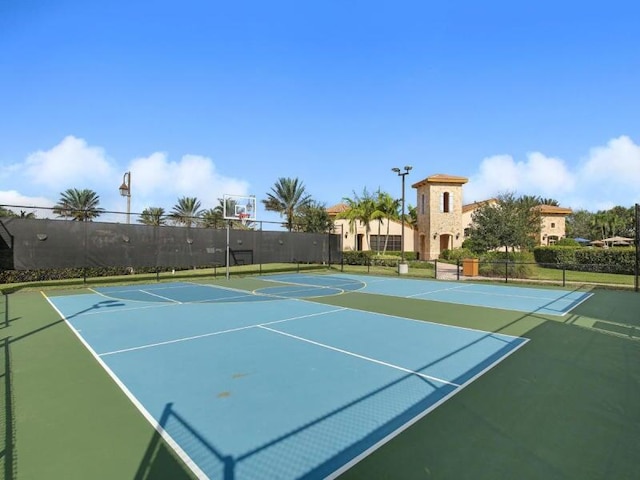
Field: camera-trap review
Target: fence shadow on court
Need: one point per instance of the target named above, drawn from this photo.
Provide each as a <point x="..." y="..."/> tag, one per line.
<point x="273" y="454"/>
<point x="7" y="440"/>
<point x="159" y="462"/>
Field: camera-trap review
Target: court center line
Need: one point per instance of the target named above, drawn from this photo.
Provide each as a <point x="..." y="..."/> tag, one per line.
<point x="362" y="357"/>
<point x="211" y="334"/>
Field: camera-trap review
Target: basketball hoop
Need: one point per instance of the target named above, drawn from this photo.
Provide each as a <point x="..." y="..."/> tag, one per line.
<point x="243" y="218"/>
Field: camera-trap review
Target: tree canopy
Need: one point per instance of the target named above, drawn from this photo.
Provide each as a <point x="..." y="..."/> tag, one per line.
<point x="313" y="218"/>
<point x="287" y="197"/>
<point x="153" y="216"/>
<point x="78" y="205"/>
<point x="510" y="222"/>
<point x="186" y="212"/>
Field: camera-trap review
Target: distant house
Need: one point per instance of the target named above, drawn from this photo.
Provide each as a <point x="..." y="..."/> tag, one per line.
<point x="443" y="221"/>
<point x="354" y="237"/>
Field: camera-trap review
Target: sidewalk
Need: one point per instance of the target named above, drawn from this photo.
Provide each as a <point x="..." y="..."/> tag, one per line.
<point x="448" y="271"/>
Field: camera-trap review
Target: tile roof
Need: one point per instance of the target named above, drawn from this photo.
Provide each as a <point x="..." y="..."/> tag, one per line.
<point x="441" y="178"/>
<point x="338" y="208"/>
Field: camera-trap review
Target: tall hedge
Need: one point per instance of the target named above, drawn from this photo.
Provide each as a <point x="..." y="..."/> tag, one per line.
<point x="604" y="260"/>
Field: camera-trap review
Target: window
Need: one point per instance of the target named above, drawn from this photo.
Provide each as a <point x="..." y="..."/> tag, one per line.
<point x="422" y="205"/>
<point x="446" y="202"/>
<point x="553" y="225"/>
<point x="394" y="244"/>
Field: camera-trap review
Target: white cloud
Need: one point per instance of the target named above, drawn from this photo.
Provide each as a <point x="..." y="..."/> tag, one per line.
<point x="547" y="175"/>
<point x="617" y="162"/>
<point x="70" y="164"/>
<point x="609" y="176"/>
<point x="12" y="197"/>
<point x="157" y="181"/>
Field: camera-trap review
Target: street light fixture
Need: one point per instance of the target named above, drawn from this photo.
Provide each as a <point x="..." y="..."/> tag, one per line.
<point x="402" y="174"/>
<point x="125" y="191"/>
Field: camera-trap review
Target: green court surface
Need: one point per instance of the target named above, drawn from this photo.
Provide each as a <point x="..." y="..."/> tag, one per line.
<point x="565" y="406"/>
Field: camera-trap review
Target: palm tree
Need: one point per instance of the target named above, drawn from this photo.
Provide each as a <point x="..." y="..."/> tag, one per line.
<point x="360" y="209"/>
<point x="79" y="205"/>
<point x="212" y="217"/>
<point x="411" y="218"/>
<point x="287" y="197"/>
<point x="186" y="211"/>
<point x="152" y="216"/>
<point x="386" y="209"/>
<point x="25" y="214"/>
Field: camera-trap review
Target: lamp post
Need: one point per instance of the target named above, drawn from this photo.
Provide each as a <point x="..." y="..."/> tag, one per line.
<point x="402" y="268"/>
<point x="125" y="191"/>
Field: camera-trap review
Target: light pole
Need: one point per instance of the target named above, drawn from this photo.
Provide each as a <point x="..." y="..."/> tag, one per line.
<point x="125" y="191"/>
<point x="402" y="174"/>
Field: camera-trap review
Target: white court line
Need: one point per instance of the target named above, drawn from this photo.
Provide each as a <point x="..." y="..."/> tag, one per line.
<point x="159" y="296"/>
<point x="435" y="291"/>
<point x="231" y="330"/>
<point x="111" y="297"/>
<point x="141" y="408"/>
<point x="586" y="297"/>
<point x="106" y="310"/>
<point x="362" y="357"/>
<point x="415" y="419"/>
<point x="292" y="282"/>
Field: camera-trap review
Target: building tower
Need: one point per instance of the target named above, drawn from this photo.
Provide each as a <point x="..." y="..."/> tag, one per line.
<point x="439" y="209"/>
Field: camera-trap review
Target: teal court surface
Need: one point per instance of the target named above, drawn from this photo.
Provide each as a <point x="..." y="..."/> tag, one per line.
<point x="269" y="384"/>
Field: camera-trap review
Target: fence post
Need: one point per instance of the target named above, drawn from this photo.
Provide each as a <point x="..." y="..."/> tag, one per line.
<point x="458" y="270"/>
<point x="637" y="225"/>
<point x="564" y="275"/>
<point x="435" y="269"/>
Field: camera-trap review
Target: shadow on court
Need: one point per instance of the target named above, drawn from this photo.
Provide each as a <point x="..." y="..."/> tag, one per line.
<point x="7" y="418"/>
<point x="159" y="463"/>
<point x="270" y="460"/>
<point x="564" y="407"/>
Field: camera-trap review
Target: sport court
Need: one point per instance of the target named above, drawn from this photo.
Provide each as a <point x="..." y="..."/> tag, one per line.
<point x="264" y="384"/>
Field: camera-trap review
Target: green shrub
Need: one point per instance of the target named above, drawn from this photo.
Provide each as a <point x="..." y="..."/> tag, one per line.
<point x="421" y="265"/>
<point x="408" y="256"/>
<point x="385" y="260"/>
<point x="357" y="257"/>
<point x="513" y="264"/>
<point x="456" y="255"/>
<point x="567" y="242"/>
<point x="602" y="260"/>
<point x="556" y="255"/>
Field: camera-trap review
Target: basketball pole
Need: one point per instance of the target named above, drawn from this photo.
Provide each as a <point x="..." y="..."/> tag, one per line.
<point x="228" y="248"/>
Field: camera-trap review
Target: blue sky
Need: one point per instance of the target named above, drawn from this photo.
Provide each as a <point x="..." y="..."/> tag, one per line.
<point x="205" y="98"/>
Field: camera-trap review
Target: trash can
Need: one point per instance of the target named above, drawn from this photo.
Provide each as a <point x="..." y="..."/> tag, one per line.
<point x="470" y="267"/>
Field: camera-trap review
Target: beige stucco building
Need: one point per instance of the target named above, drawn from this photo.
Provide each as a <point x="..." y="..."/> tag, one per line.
<point x="355" y="237"/>
<point x="443" y="221"/>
